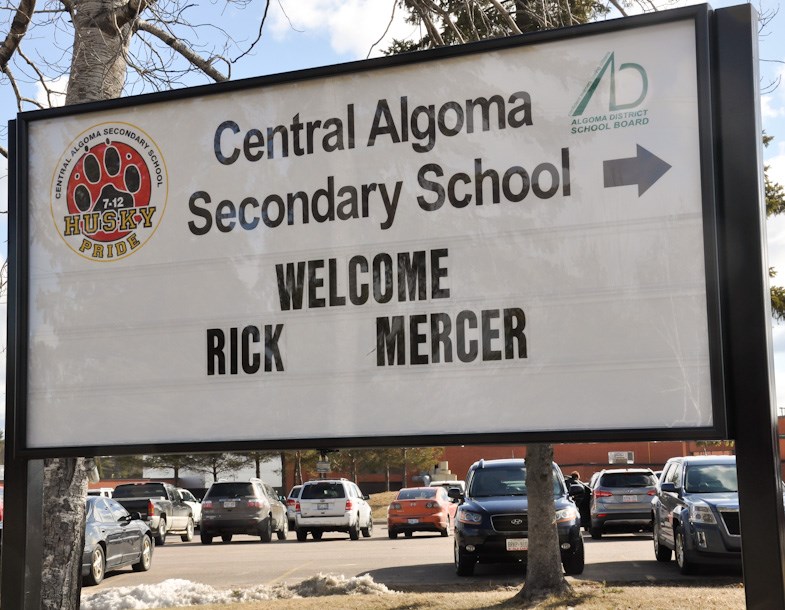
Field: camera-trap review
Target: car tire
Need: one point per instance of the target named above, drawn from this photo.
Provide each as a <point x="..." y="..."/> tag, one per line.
<point x="464" y="562"/>
<point x="160" y="533"/>
<point x="266" y="529"/>
<point x="392" y="534"/>
<point x="145" y="556"/>
<point x="596" y="532"/>
<point x="354" y="530"/>
<point x="282" y="533"/>
<point x="685" y="566"/>
<point x="574" y="563"/>
<point x="205" y="537"/>
<point x="661" y="552"/>
<point x="97" y="566"/>
<point x="317" y="534"/>
<point x="226" y="537"/>
<point x="301" y="535"/>
<point x="408" y="534"/>
<point x="367" y="531"/>
<point x="189" y="531"/>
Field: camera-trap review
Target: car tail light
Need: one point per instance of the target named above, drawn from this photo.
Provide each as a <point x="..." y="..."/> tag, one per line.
<point x="600" y="493"/>
<point x="431" y="505"/>
<point x="207" y="504"/>
<point x="254" y="503"/>
<point x="348" y="505"/>
<point x="291" y="502"/>
<point x="297" y="506"/>
<point x="395" y="506"/>
<point x="651" y="492"/>
<point x="150" y="507"/>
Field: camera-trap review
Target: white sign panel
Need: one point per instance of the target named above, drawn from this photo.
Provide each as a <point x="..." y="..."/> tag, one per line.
<point x="497" y="242"/>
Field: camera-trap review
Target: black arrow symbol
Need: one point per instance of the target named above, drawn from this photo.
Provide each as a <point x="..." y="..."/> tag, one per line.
<point x="644" y="170"/>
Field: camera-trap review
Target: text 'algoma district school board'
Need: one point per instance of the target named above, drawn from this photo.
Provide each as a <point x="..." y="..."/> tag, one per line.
<point x="478" y="243"/>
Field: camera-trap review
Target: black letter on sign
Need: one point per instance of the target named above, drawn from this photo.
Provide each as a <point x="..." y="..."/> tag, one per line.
<point x="271" y="351"/>
<point x="390" y="340"/>
<point x="235" y="128"/>
<point x="290" y="288"/>
<point x="215" y="351"/>
<point x="202" y="213"/>
<point x="514" y="323"/>
<point x="251" y="361"/>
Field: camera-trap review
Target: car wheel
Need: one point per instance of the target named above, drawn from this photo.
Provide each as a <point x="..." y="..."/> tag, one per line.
<point x="446" y="531"/>
<point x="685" y="567"/>
<point x="145" y="557"/>
<point x="408" y="534"/>
<point x="266" y="529"/>
<point x="596" y="532"/>
<point x="281" y="533"/>
<point x="160" y="533"/>
<point x="392" y="534"/>
<point x="662" y="553"/>
<point x="368" y="530"/>
<point x="354" y="530"/>
<point x="205" y="537"/>
<point x="317" y="534"/>
<point x="226" y="537"/>
<point x="301" y="535"/>
<point x="189" y="531"/>
<point x="464" y="562"/>
<point x="97" y="566"/>
<point x="574" y="562"/>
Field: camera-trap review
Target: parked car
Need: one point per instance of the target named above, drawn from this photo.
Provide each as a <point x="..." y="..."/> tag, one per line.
<point x="242" y="507"/>
<point x="105" y="492"/>
<point x="113" y="538"/>
<point x="196" y="505"/>
<point x="492" y="526"/>
<point x="421" y="509"/>
<point x="621" y="501"/>
<point x="160" y="505"/>
<point x="291" y="505"/>
<point x="447" y="484"/>
<point x="332" y="505"/>
<point x="696" y="512"/>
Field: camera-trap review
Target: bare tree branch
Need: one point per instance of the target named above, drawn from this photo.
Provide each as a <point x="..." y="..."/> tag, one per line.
<point x="258" y="37"/>
<point x="178" y="46"/>
<point x="18" y="30"/>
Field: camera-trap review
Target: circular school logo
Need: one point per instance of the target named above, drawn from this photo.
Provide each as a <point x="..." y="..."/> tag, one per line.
<point x="109" y="191"/>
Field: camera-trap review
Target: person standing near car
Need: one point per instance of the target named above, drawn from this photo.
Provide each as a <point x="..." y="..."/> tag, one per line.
<point x="583" y="500"/>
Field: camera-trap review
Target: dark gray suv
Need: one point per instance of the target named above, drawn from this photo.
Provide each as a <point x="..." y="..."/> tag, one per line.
<point x="696" y="512"/>
<point x="242" y="507"/>
<point x="621" y="501"/>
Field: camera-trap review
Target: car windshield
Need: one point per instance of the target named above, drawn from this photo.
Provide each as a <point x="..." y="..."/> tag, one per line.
<point x="319" y="491"/>
<point x="711" y="478"/>
<point x="230" y="490"/>
<point x="508" y="481"/>
<point x="417" y="494"/>
<point x="152" y="490"/>
<point x="627" y="479"/>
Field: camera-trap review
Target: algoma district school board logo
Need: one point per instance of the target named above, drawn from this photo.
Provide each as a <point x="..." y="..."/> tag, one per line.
<point x="109" y="191"/>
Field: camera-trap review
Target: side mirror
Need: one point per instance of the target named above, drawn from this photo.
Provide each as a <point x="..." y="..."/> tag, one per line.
<point x="135" y="516"/>
<point x="366" y="497"/>
<point x="669" y="487"/>
<point x="455" y="493"/>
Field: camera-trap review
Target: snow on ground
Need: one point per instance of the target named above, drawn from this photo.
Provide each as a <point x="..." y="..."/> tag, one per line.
<point x="177" y="592"/>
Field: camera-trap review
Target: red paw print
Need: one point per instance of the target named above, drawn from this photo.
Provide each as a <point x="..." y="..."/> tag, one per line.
<point x="110" y="176"/>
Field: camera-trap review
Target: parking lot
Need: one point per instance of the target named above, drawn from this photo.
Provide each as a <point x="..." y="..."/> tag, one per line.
<point x="420" y="563"/>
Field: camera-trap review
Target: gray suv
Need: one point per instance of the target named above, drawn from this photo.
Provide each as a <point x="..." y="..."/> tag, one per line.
<point x="621" y="501"/>
<point x="242" y="507"/>
<point x="696" y="512"/>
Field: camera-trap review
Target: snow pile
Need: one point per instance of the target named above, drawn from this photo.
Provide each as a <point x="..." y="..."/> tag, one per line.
<point x="177" y="592"/>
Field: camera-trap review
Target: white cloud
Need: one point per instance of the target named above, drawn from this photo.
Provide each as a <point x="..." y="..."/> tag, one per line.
<point x="352" y="26"/>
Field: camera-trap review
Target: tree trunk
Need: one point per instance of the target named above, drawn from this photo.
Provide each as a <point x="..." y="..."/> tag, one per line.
<point x="544" y="574"/>
<point x="284" y="483"/>
<point x="177" y="476"/>
<point x="387" y="475"/>
<point x="98" y="72"/>
<point x="258" y="464"/>
<point x="405" y="481"/>
<point x="354" y="468"/>
<point x="65" y="490"/>
<point x="299" y="469"/>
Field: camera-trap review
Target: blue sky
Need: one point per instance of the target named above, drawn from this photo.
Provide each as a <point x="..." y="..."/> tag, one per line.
<point x="306" y="33"/>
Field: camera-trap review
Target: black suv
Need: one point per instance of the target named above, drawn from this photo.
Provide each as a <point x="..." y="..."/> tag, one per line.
<point x="491" y="524"/>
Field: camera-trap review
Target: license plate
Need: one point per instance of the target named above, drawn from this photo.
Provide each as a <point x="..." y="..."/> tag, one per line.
<point x="413" y="521"/>
<point x="629" y="498"/>
<point x="321" y="506"/>
<point x="230" y="504"/>
<point x="517" y="544"/>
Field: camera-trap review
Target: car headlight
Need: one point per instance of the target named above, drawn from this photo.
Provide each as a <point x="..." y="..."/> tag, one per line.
<point x="701" y="513"/>
<point x="468" y="517"/>
<point x="566" y="514"/>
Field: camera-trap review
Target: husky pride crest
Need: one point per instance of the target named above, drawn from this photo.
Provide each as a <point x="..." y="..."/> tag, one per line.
<point x="109" y="192"/>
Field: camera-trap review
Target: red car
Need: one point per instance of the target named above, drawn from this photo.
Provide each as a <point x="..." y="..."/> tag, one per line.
<point x="420" y="509"/>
